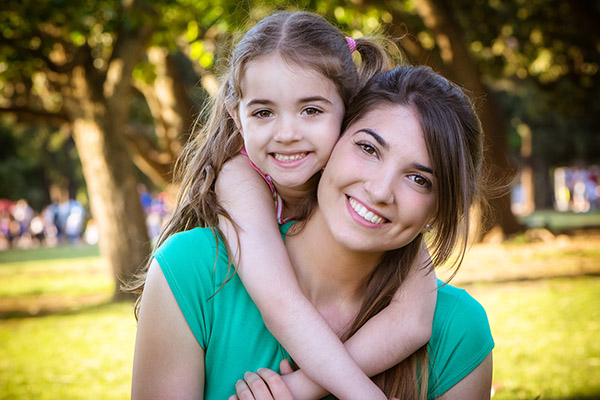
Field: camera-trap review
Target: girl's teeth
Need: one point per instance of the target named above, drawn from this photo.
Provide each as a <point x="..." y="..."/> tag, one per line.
<point x="366" y="214"/>
<point x="289" y="157"/>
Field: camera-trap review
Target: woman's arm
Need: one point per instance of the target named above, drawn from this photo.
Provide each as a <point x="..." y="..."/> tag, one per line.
<point x="265" y="269"/>
<point x="475" y="386"/>
<point x="168" y="361"/>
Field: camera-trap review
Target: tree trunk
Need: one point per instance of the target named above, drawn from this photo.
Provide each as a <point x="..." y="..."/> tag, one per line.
<point x="111" y="183"/>
<point x="437" y="16"/>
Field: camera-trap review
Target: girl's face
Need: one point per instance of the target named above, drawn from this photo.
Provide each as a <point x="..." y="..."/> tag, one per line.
<point x="376" y="193"/>
<point x="290" y="118"/>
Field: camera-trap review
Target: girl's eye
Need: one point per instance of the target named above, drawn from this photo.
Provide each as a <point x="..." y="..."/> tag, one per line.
<point x="421" y="181"/>
<point x="311" y="111"/>
<point x="263" y="113"/>
<point x="367" y="148"/>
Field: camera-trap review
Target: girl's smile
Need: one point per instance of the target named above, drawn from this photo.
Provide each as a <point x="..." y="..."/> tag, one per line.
<point x="290" y="117"/>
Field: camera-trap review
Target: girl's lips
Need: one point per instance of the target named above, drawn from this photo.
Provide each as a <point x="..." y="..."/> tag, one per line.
<point x="290" y="160"/>
<point x="289" y="157"/>
<point x="365" y="215"/>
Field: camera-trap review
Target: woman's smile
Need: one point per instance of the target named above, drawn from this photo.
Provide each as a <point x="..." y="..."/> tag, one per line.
<point x="364" y="213"/>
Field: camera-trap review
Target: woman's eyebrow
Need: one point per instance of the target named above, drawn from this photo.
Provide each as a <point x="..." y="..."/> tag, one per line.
<point x="376" y="136"/>
<point x="423" y="168"/>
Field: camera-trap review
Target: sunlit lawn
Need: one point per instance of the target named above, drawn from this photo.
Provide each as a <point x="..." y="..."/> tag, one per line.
<point x="61" y="338"/>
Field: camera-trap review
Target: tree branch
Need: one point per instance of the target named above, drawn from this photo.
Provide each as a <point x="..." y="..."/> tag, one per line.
<point x="28" y="115"/>
<point x="153" y="163"/>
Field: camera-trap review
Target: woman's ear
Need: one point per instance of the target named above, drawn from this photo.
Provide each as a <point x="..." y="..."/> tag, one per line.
<point x="233" y="113"/>
<point x="428" y="227"/>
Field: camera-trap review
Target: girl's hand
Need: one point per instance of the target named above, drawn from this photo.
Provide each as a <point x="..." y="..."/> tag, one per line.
<point x="265" y="384"/>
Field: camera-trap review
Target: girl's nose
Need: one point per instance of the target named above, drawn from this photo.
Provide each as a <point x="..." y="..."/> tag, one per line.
<point x="286" y="131"/>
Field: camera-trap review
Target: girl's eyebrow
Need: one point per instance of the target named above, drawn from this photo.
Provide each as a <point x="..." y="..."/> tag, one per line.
<point x="313" y="99"/>
<point x="310" y="99"/>
<point x="259" y="101"/>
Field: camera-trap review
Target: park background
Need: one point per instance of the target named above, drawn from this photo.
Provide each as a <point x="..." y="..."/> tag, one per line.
<point x="98" y="97"/>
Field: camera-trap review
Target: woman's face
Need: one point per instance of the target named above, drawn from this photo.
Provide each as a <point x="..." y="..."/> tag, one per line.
<point x="376" y="192"/>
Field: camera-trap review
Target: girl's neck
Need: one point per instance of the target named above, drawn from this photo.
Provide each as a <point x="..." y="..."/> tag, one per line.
<point x="294" y="197"/>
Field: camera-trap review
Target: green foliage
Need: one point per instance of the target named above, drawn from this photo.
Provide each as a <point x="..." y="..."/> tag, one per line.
<point x="539" y="56"/>
<point x="32" y="158"/>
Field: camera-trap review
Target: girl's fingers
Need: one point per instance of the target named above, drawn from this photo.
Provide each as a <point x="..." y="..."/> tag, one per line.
<point x="277" y="386"/>
<point x="285" y="367"/>
<point x="233" y="397"/>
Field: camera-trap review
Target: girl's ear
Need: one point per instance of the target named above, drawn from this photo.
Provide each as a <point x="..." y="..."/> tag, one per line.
<point x="233" y="113"/>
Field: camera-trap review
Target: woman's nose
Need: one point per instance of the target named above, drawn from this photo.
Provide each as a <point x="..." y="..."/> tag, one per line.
<point x="380" y="188"/>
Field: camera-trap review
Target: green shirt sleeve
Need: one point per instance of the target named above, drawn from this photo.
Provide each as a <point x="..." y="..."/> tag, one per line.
<point x="187" y="260"/>
<point x="461" y="339"/>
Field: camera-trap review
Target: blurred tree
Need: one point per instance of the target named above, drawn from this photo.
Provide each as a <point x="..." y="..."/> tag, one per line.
<point x="33" y="157"/>
<point x="71" y="63"/>
<point x="128" y="77"/>
<point x="114" y="74"/>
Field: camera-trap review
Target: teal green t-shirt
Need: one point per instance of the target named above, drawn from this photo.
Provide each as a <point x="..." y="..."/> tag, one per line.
<point x="230" y="329"/>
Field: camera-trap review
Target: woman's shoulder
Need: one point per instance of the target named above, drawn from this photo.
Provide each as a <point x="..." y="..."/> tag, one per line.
<point x="192" y="252"/>
<point x="185" y="240"/>
<point x="458" y="302"/>
<point x="461" y="337"/>
<point x="459" y="314"/>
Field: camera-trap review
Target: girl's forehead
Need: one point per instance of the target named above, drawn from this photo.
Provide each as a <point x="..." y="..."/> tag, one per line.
<point x="265" y="72"/>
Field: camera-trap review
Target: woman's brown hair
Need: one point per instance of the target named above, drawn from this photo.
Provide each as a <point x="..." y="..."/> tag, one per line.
<point x="454" y="140"/>
<point x="303" y="39"/>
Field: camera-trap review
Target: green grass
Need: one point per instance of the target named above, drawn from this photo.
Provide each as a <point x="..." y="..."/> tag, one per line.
<point x="547" y="337"/>
<point x="60" y="337"/>
<point x="84" y="354"/>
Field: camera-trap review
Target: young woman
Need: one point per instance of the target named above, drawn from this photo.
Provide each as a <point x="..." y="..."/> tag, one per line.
<point x="406" y="167"/>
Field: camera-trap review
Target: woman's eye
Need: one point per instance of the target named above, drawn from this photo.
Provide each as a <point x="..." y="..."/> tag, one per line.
<point x="367" y="148"/>
<point x="263" y="113"/>
<point x="421" y="181"/>
<point x="311" y="111"/>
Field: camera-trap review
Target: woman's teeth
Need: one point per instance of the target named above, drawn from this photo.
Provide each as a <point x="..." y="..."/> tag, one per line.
<point x="289" y="157"/>
<point x="366" y="214"/>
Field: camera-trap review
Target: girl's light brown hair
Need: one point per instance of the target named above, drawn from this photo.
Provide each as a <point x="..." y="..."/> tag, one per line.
<point x="302" y="39"/>
<point x="454" y="140"/>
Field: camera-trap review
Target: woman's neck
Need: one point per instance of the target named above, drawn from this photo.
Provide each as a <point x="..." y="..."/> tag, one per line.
<point x="328" y="273"/>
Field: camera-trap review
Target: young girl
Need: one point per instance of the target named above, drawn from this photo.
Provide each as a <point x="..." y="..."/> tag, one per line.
<point x="282" y="104"/>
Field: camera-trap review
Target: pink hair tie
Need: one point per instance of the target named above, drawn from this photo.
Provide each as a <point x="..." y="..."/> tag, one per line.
<point x="351" y="44"/>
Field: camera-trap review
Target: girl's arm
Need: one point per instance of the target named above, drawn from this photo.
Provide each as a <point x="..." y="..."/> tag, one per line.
<point x="403" y="326"/>
<point x="168" y="363"/>
<point x="265" y="269"/>
<point x="392" y="335"/>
